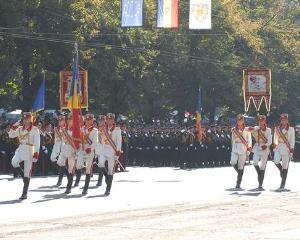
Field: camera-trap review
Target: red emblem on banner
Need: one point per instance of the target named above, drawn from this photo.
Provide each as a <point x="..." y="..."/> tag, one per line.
<point x="65" y="77"/>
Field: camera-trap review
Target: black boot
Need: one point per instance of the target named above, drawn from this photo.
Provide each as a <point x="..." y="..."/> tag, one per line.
<point x="261" y="179"/>
<point x="108" y="180"/>
<point x="60" y="176"/>
<point x="25" y="188"/>
<point x="283" y="178"/>
<point x="236" y="168"/>
<point x="86" y="185"/>
<point x="70" y="182"/>
<point x="258" y="172"/>
<point x="100" y="177"/>
<point x="278" y="165"/>
<point x="239" y="178"/>
<point x="78" y="176"/>
<point x="20" y="172"/>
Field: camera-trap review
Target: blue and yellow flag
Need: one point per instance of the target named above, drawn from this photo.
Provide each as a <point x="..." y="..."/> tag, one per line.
<point x="39" y="102"/>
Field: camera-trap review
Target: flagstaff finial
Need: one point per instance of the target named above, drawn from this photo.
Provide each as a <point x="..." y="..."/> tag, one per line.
<point x="43" y="73"/>
<point x="76" y="46"/>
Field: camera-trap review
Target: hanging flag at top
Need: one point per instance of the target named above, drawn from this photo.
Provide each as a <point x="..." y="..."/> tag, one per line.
<point x="198" y="116"/>
<point x="200" y="14"/>
<point x="167" y="13"/>
<point x="132" y="13"/>
<point x="39" y="102"/>
<point x="74" y="100"/>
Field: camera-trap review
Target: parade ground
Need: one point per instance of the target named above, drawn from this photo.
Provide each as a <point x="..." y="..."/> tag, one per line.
<point x="155" y="203"/>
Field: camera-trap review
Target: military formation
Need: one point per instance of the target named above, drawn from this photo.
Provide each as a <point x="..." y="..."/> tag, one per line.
<point x="283" y="148"/>
<point x="107" y="146"/>
<point x="179" y="146"/>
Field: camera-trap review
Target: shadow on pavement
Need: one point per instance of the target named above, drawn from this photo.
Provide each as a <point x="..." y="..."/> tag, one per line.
<point x="10" y="202"/>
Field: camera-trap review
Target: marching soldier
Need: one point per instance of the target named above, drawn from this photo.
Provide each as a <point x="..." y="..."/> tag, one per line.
<point x="284" y="142"/>
<point x="28" y="150"/>
<point x="99" y="148"/>
<point x="68" y="153"/>
<point x="241" y="147"/>
<point x="261" y="149"/>
<point x="112" y="145"/>
<point x="87" y="152"/>
<point x="57" y="147"/>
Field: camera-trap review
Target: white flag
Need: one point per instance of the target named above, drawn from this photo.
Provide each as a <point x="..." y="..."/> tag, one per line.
<point x="200" y="14"/>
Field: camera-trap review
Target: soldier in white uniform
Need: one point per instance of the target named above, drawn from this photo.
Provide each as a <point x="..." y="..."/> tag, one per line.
<point x="101" y="124"/>
<point x="112" y="145"/>
<point x="57" y="147"/>
<point x="68" y="153"/>
<point x="284" y="143"/>
<point x="28" y="150"/>
<point x="87" y="151"/>
<point x="261" y="148"/>
<point x="241" y="147"/>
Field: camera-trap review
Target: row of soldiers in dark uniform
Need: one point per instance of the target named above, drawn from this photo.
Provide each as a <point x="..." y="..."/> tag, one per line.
<point x="179" y="146"/>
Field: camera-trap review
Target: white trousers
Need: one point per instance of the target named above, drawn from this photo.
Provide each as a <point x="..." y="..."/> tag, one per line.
<point x="239" y="159"/>
<point x="284" y="158"/>
<point x="85" y="160"/>
<point x="262" y="158"/>
<point x="55" y="152"/>
<point x="107" y="155"/>
<point x="17" y="159"/>
<point x="67" y="154"/>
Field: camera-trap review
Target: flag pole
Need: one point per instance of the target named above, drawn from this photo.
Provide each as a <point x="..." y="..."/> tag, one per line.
<point x="79" y="82"/>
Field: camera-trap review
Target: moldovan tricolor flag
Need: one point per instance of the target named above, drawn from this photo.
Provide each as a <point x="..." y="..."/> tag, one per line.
<point x="200" y="14"/>
<point x="167" y="13"/>
<point x="74" y="100"/>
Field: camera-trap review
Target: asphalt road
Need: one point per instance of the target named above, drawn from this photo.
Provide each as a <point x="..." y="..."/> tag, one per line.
<point x="156" y="203"/>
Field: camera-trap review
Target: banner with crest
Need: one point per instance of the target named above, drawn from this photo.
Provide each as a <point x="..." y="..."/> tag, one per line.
<point x="65" y="77"/>
<point x="257" y="89"/>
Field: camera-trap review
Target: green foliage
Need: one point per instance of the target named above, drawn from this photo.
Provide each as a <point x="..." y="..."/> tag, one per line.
<point x="149" y="71"/>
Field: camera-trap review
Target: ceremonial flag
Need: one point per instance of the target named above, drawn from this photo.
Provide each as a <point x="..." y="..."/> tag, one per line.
<point x="74" y="99"/>
<point x="198" y="116"/>
<point x="200" y="14"/>
<point x="167" y="13"/>
<point x="132" y="13"/>
<point x="39" y="102"/>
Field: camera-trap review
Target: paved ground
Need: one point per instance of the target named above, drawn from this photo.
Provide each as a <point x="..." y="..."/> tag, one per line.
<point x="156" y="203"/>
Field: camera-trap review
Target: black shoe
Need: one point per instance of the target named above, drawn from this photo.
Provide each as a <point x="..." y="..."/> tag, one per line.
<point x="261" y="177"/>
<point x="78" y="176"/>
<point x="279" y="168"/>
<point x="239" y="179"/>
<point x="25" y="189"/>
<point x="236" y="168"/>
<point x="69" y="185"/>
<point x="86" y="185"/>
<point x="60" y="176"/>
<point x="109" y="180"/>
<point x="100" y="177"/>
<point x="283" y="180"/>
<point x="20" y="172"/>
